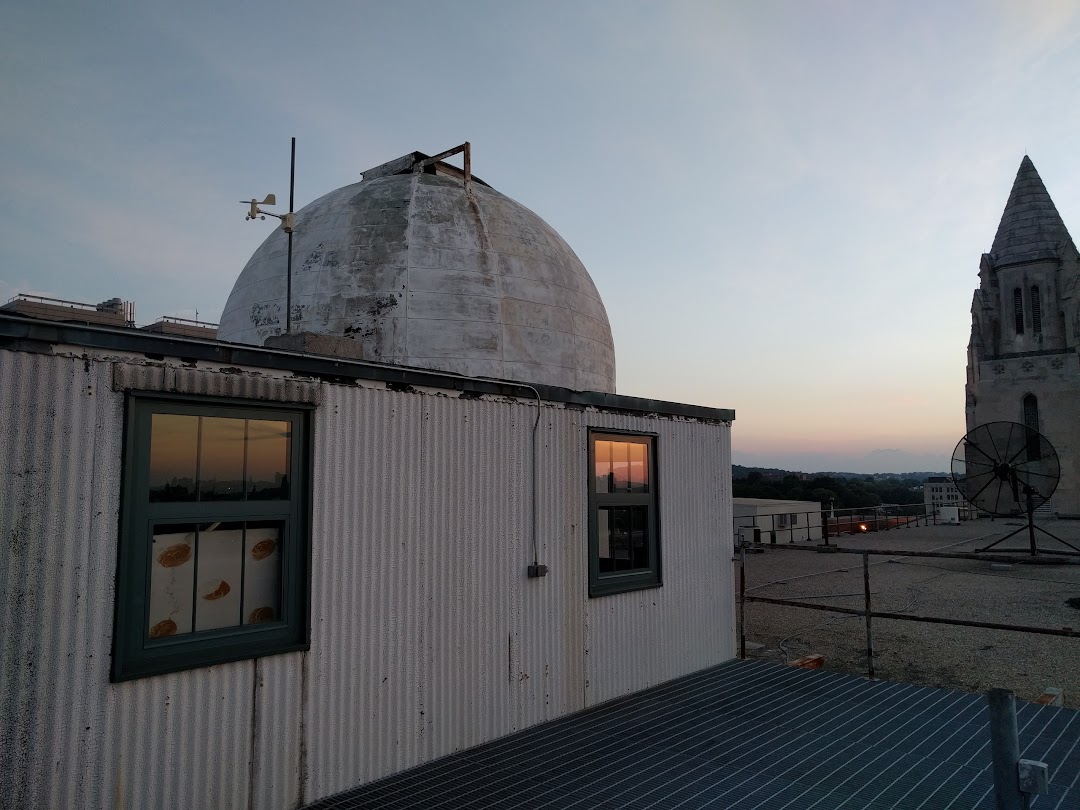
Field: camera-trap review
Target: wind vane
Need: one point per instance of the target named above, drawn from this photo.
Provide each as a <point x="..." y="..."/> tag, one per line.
<point x="288" y="224"/>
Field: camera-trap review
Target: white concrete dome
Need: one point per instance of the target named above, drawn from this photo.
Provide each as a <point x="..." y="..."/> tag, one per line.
<point x="418" y="271"/>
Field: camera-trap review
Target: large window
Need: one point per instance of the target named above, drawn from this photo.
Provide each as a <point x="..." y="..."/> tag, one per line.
<point x="624" y="527"/>
<point x="213" y="561"/>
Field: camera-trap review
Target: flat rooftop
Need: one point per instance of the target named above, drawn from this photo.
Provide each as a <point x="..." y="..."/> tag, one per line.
<point x="747" y="735"/>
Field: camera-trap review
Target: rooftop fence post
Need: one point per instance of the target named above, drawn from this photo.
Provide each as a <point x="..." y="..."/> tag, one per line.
<point x="1004" y="750"/>
<point x="869" y="628"/>
<point x="742" y="600"/>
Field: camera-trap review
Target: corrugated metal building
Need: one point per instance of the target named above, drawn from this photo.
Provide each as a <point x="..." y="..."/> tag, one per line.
<point x="401" y="622"/>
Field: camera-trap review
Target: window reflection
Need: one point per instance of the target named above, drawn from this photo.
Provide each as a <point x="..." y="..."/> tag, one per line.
<point x="221" y="459"/>
<point x="621" y="467"/>
<point x="622" y="537"/>
<point x="603" y="466"/>
<point x="218" y="459"/>
<point x="267" y="459"/>
<point x="174" y="442"/>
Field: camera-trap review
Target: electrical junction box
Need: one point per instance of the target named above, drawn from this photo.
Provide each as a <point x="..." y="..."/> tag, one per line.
<point x="1033" y="776"/>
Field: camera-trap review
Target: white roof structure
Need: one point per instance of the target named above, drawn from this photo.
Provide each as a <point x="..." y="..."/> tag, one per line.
<point x="421" y="264"/>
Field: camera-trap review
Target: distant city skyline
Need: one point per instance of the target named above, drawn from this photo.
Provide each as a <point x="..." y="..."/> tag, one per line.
<point x="782" y="205"/>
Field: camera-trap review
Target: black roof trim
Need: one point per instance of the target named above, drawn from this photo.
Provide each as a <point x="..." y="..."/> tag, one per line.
<point x="20" y="333"/>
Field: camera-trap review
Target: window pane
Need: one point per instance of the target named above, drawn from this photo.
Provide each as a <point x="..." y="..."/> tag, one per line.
<point x="172" y="576"/>
<point x="620" y="466"/>
<point x="220" y="557"/>
<point x="620" y="539"/>
<point x="639" y="468"/>
<point x="639" y="537"/>
<point x="603" y="536"/>
<point x="603" y="466"/>
<point x="174" y="442"/>
<point x="262" y="572"/>
<point x="267" y="459"/>
<point x="221" y="461"/>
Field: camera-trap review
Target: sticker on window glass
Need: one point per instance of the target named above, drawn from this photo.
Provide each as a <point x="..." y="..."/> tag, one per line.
<point x="217" y="589"/>
<point x="262" y="572"/>
<point x="172" y="573"/>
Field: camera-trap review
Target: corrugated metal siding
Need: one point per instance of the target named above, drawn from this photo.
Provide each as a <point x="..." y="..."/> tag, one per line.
<point x="548" y="668"/>
<point x="361" y="714"/>
<point x="427" y="637"/>
<point x="48" y="427"/>
<point x="643" y="638"/>
<point x="69" y="737"/>
<point x="277" y="731"/>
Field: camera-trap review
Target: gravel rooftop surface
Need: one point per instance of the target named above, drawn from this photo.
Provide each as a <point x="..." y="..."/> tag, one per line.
<point x="966" y="658"/>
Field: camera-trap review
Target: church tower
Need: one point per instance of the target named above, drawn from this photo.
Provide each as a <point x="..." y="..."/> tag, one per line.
<point x="1023" y="365"/>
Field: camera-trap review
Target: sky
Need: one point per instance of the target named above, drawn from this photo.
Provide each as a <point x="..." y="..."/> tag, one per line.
<point x="782" y="204"/>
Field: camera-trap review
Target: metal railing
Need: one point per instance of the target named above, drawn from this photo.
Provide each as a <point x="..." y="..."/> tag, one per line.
<point x="869" y="613"/>
<point x="42" y="299"/>
<point x="810" y="526"/>
<point x="187" y="321"/>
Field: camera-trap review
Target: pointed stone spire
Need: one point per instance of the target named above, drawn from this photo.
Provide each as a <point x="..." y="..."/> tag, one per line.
<point x="1031" y="228"/>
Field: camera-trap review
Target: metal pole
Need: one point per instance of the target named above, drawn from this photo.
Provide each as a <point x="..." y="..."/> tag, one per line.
<point x="869" y="629"/>
<point x="1004" y="750"/>
<point x="288" y="261"/>
<point x="1031" y="521"/>
<point x="742" y="600"/>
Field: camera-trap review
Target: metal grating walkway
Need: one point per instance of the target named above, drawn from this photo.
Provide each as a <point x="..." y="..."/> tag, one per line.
<point x="747" y="735"/>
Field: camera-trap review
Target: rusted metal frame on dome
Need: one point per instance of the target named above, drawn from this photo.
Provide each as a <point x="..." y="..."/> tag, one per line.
<point x="465" y="147"/>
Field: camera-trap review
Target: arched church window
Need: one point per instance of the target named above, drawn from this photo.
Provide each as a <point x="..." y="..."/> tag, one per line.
<point x="1018" y="310"/>
<point x="1031" y="420"/>
<point x="1031" y="411"/>
<point x="1036" y="310"/>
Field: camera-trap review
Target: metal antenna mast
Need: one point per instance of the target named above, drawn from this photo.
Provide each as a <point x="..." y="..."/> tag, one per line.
<point x="288" y="224"/>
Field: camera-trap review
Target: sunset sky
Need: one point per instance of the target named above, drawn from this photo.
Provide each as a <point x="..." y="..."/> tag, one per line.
<point x="783" y="204"/>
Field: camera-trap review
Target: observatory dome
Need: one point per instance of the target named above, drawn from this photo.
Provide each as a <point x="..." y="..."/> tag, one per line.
<point x="421" y="264"/>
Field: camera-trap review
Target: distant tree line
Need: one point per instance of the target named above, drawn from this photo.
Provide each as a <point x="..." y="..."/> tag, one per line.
<point x="845" y="493"/>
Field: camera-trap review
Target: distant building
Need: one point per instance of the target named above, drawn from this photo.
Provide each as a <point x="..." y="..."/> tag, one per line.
<point x="1025" y="330"/>
<point x="780" y="521"/>
<point x="940" y="491"/>
<point x="113" y="312"/>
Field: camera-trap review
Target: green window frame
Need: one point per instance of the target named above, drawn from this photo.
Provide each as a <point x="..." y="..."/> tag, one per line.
<point x="624" y="513"/>
<point x="213" y="562"/>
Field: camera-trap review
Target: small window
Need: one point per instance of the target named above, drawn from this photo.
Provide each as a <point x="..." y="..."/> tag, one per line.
<point x="624" y="540"/>
<point x="213" y="544"/>
<point x="782" y="521"/>
<point x="1018" y="310"/>
<point x="1036" y="311"/>
<point x="1031" y="422"/>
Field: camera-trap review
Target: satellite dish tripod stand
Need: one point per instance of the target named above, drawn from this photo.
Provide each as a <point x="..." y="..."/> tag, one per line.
<point x="1006" y="472"/>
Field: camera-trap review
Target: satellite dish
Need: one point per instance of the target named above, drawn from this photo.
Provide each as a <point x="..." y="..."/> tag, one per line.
<point x="1008" y="469"/>
<point x="999" y="464"/>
